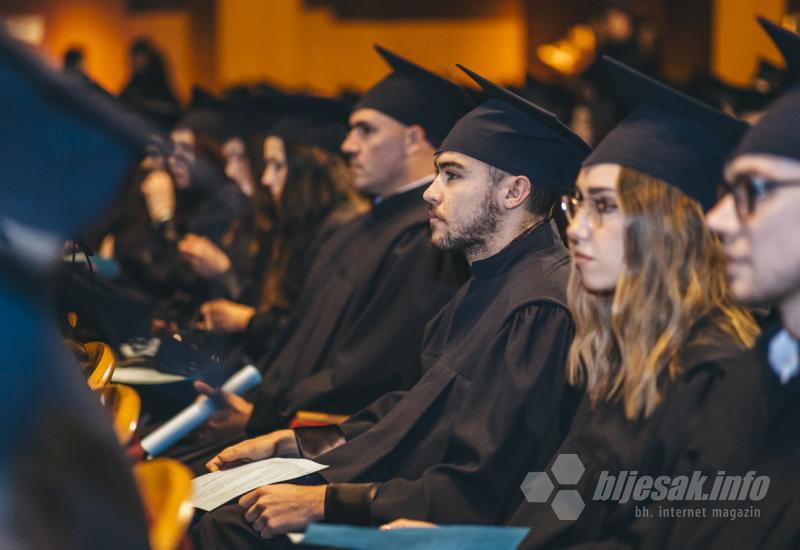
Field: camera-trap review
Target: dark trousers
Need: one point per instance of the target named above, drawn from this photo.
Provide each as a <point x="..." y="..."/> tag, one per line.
<point x="226" y="527"/>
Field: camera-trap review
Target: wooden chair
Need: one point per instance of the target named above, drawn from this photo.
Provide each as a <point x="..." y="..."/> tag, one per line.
<point x="102" y="357"/>
<point x="314" y="418"/>
<point x="124" y="407"/>
<point x="166" y="489"/>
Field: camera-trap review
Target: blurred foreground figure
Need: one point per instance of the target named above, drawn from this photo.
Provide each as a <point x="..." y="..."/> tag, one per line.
<point x="757" y="225"/>
<point x="65" y="482"/>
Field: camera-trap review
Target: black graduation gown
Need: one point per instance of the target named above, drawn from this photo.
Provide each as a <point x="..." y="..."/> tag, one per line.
<point x="694" y="414"/>
<point x="451" y="448"/>
<point x="265" y="329"/>
<point x="155" y="281"/>
<point x="775" y="452"/>
<point x="64" y="481"/>
<point x="163" y="271"/>
<point x="357" y="326"/>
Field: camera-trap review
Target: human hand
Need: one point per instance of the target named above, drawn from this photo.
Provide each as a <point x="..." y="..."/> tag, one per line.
<point x="159" y="195"/>
<point x="226" y="316"/>
<point x="407" y="524"/>
<point x="280" y="443"/>
<point x="231" y="414"/>
<point x="204" y="257"/>
<point x="276" y="509"/>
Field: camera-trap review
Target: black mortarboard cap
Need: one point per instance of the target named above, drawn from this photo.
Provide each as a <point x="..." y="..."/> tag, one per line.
<point x="66" y="147"/>
<point x="787" y="42"/>
<point x="244" y="117"/>
<point x="312" y="120"/>
<point x="204" y="115"/>
<point x="516" y="136"/>
<point x="413" y="95"/>
<point x="668" y="135"/>
<point x="776" y="133"/>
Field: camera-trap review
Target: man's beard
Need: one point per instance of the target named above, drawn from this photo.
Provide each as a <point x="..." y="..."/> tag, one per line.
<point x="471" y="239"/>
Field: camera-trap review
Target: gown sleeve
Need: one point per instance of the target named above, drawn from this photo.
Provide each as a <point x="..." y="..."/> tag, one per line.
<point x="489" y="453"/>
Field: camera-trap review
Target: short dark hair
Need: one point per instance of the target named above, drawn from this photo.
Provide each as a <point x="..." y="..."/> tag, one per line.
<point x="73" y="57"/>
<point x="541" y="200"/>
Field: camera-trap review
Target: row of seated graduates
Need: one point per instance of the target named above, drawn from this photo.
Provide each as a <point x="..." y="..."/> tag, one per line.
<point x="210" y="241"/>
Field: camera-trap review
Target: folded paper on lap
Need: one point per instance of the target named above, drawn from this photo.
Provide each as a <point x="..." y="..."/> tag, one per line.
<point x="215" y="489"/>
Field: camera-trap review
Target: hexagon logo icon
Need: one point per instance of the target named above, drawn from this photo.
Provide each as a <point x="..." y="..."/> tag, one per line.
<point x="567" y="469"/>
<point x="537" y="487"/>
<point x="567" y="504"/>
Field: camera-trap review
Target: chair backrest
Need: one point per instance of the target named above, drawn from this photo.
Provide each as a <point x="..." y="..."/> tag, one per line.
<point x="166" y="489"/>
<point x="124" y="406"/>
<point x="102" y="357"/>
<point x="313" y="418"/>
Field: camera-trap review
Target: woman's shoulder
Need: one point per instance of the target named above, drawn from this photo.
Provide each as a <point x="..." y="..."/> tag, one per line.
<point x="713" y="347"/>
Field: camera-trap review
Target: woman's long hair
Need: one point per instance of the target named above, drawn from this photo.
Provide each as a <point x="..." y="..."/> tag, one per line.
<point x="317" y="183"/>
<point x="672" y="278"/>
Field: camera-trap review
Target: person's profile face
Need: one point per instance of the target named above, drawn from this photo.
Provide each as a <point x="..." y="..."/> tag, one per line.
<point x="596" y="230"/>
<point x="760" y="231"/>
<point x="463" y="203"/>
<point x="276" y="168"/>
<point x="181" y="160"/>
<point x="236" y="166"/>
<point x="375" y="148"/>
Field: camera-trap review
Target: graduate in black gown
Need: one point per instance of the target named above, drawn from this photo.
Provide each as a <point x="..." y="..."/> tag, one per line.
<point x="189" y="196"/>
<point x="303" y="192"/>
<point x="757" y="224"/>
<point x="230" y="265"/>
<point x="455" y="444"/>
<point x="64" y="481"/>
<point x="655" y="325"/>
<point x="355" y="330"/>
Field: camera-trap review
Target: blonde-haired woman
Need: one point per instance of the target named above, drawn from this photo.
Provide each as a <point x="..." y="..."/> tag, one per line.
<point x="654" y="321"/>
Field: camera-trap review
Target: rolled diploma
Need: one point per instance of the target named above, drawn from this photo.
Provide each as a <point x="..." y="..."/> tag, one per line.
<point x="195" y="414"/>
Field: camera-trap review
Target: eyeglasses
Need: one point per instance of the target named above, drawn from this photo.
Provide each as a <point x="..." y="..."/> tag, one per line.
<point x="572" y="203"/>
<point x="748" y="189"/>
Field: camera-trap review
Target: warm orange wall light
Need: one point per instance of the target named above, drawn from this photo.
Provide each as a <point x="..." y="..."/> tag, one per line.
<point x="297" y="47"/>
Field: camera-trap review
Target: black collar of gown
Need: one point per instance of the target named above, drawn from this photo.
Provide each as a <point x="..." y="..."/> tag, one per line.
<point x="399" y="202"/>
<point x="538" y="237"/>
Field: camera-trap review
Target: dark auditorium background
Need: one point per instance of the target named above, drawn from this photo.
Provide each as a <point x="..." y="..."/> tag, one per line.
<point x="292" y="43"/>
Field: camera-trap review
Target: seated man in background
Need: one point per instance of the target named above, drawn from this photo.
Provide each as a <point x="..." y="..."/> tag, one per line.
<point x="356" y="328"/>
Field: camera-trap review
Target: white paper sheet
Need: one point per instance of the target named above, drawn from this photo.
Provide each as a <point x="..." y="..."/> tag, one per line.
<point x="144" y="375"/>
<point x="215" y="489"/>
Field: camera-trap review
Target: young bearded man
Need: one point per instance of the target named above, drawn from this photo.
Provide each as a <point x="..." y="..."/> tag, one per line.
<point x="355" y="332"/>
<point x="488" y="404"/>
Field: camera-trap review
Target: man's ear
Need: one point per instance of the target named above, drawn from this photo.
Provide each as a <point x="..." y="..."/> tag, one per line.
<point x="517" y="190"/>
<point x="415" y="139"/>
